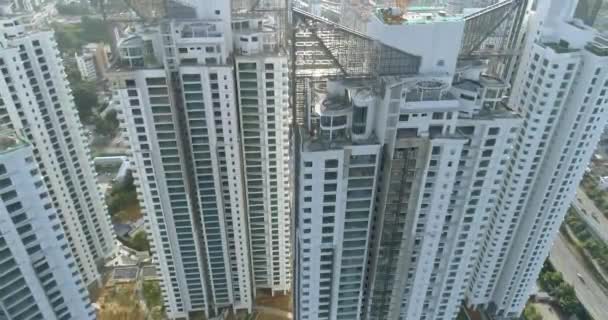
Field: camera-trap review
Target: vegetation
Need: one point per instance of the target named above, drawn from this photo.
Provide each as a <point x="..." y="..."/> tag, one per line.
<point x="599" y="196"/>
<point x="596" y="248"/>
<point x="154" y="299"/>
<point x="68" y="37"/>
<point x="138" y="242"/>
<point x="122" y="195"/>
<point x="85" y="98"/>
<point x="553" y="283"/>
<point x="110" y="6"/>
<point x="120" y="303"/>
<point x="530" y="313"/>
<point x="462" y="315"/>
<point x="108" y="125"/>
<point x="72" y="9"/>
<point x="152" y="294"/>
<point x="71" y="37"/>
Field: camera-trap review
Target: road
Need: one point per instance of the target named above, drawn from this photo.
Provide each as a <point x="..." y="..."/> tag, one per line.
<point x="569" y="262"/>
<point x="592" y="216"/>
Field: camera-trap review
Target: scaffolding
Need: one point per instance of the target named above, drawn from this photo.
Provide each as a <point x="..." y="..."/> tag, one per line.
<point x="322" y="49"/>
<point x="487" y="32"/>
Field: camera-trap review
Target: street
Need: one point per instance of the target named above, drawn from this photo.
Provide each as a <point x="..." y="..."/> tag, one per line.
<point x="592" y="216"/>
<point x="569" y="262"/>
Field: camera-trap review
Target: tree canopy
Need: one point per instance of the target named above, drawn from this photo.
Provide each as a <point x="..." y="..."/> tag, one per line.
<point x="123" y="194"/>
<point x="71" y="37"/>
<point x="72" y="9"/>
<point x="108" y="125"/>
<point x="553" y="283"/>
<point x="85" y="98"/>
<point x="139" y="242"/>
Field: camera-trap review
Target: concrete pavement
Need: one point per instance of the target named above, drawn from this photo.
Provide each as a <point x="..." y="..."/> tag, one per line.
<point x="593" y="217"/>
<point x="569" y="262"/>
<point x="278" y="313"/>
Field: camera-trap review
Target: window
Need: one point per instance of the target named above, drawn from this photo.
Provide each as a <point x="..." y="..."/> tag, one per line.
<point x="331" y="163"/>
<point x="329" y="187"/>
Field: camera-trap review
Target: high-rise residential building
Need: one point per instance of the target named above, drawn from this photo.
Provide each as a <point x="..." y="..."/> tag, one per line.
<point x="39" y="276"/>
<point x="35" y="99"/>
<point x="204" y="106"/>
<point x="560" y="92"/>
<point x="265" y="118"/>
<point x="443" y="185"/>
<point x="397" y="179"/>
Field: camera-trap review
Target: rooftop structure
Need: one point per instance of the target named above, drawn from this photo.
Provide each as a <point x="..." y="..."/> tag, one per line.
<point x="9" y="141"/>
<point x="415" y="15"/>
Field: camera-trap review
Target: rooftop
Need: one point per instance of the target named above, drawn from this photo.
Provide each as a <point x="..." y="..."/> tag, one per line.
<point x="10" y="141"/>
<point x="501" y="110"/>
<point x="415" y="15"/>
<point x="314" y="142"/>
<point x="598" y="46"/>
<point x="559" y="47"/>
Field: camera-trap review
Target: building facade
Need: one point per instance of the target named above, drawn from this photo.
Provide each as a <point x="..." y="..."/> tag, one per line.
<point x="265" y="118"/>
<point x="560" y="92"/>
<point x="93" y="61"/>
<point x="37" y="101"/>
<point x="86" y="66"/>
<point x="212" y="172"/>
<point x="465" y="179"/>
<point x="393" y="190"/>
<point x="39" y="276"/>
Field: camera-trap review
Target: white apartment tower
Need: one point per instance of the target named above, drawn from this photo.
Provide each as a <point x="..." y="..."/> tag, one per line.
<point x="217" y="207"/>
<point x="560" y="92"/>
<point x="398" y="177"/>
<point x="419" y="192"/>
<point x="39" y="276"/>
<point x="265" y="118"/>
<point x="182" y="125"/>
<point x="407" y="178"/>
<point x="35" y="99"/>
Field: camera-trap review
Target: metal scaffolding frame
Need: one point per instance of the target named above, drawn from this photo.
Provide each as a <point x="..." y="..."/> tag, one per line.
<point x="321" y="44"/>
<point x="322" y="49"/>
<point x="487" y="32"/>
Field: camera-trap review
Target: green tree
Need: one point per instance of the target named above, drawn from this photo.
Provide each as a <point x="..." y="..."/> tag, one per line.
<point x="152" y="294"/>
<point x="107" y="125"/>
<point x="94" y="30"/>
<point x="530" y="313"/>
<point x="85" y="98"/>
<point x="122" y="195"/>
<point x="550" y="281"/>
<point x="566" y="298"/>
<point x="139" y="242"/>
<point x="67" y="37"/>
<point x="71" y="9"/>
